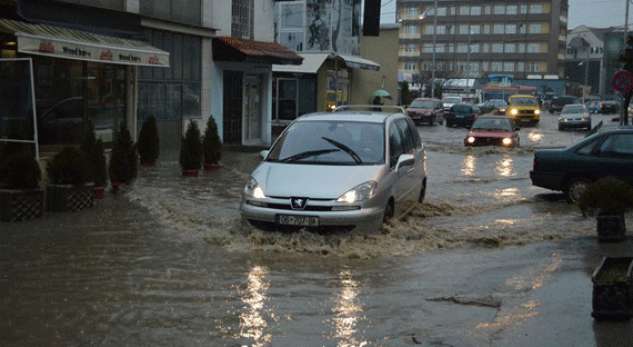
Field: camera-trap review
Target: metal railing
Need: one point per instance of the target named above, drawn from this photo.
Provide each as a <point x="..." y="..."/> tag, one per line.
<point x="372" y="108"/>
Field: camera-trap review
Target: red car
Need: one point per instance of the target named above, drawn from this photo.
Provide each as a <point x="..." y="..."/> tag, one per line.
<point x="493" y="131"/>
<point x="424" y="110"/>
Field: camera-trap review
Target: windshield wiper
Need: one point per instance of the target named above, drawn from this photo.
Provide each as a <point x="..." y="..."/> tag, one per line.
<point x="307" y="154"/>
<point x="345" y="149"/>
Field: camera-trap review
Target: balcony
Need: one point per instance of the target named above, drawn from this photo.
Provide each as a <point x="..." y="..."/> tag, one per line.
<point x="408" y="53"/>
<point x="404" y="35"/>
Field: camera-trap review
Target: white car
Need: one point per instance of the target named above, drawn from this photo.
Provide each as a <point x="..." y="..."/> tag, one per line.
<point x="347" y="169"/>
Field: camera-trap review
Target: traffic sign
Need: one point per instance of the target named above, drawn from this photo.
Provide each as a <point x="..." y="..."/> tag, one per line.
<point x="622" y="81"/>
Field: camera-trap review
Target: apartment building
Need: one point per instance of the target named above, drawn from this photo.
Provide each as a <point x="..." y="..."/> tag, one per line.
<point x="478" y="37"/>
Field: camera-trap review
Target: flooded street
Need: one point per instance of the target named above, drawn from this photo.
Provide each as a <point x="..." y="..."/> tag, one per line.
<point x="487" y="260"/>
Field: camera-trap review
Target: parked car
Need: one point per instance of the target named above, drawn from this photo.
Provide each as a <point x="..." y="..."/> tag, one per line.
<point x="557" y="104"/>
<point x="461" y="115"/>
<point x="427" y="111"/>
<point x="523" y="109"/>
<point x="608" y="152"/>
<point x="610" y="107"/>
<point x="493" y="131"/>
<point x="594" y="106"/>
<point x="574" y="116"/>
<point x="450" y="101"/>
<point x="500" y="106"/>
<point x="346" y="169"/>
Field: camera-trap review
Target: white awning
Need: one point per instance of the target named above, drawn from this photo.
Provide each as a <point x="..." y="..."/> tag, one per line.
<point x="313" y="61"/>
<point x="356" y="62"/>
<point x="311" y="64"/>
<point x="59" y="42"/>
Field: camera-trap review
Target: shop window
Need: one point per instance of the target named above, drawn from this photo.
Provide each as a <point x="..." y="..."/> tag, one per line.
<point x="242" y="13"/>
<point x="287" y="96"/>
<point x="290" y="25"/>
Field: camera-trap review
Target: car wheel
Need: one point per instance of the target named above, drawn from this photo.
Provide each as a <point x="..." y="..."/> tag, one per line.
<point x="389" y="212"/>
<point x="575" y="188"/>
<point x="422" y="191"/>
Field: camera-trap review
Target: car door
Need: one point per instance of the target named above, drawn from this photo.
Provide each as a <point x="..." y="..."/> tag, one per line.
<point x="396" y="149"/>
<point x="410" y="174"/>
<point x="615" y="156"/>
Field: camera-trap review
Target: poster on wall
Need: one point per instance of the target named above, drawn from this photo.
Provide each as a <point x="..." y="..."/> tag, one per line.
<point x="333" y="25"/>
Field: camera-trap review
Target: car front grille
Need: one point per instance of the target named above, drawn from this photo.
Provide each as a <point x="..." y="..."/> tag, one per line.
<point x="488" y="141"/>
<point x="307" y="208"/>
<point x="526" y="112"/>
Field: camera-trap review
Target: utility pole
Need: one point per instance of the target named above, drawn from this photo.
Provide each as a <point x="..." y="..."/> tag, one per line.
<point x="626" y="21"/>
<point x="434" y="42"/>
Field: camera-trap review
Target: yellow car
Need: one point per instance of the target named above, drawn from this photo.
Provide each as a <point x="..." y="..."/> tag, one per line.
<point x="523" y="109"/>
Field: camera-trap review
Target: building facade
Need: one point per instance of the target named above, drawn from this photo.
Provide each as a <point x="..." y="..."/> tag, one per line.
<point x="478" y="37"/>
<point x="382" y="49"/>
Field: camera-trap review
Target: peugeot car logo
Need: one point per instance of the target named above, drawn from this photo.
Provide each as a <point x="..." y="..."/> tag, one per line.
<point x="298" y="203"/>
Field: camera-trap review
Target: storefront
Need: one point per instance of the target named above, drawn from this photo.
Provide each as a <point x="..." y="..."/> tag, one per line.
<point x="243" y="88"/>
<point x="79" y="76"/>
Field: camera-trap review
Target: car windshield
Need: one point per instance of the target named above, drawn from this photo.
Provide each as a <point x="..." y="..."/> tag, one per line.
<point x="574" y="109"/>
<point x="427" y="104"/>
<point x="523" y="101"/>
<point x="462" y="109"/>
<point x="331" y="143"/>
<point x="492" y="124"/>
<point x="452" y="100"/>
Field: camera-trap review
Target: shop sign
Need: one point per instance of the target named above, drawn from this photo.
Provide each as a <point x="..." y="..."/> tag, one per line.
<point x="78" y="51"/>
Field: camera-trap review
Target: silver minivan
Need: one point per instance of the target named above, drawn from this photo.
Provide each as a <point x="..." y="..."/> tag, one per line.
<point x="348" y="169"/>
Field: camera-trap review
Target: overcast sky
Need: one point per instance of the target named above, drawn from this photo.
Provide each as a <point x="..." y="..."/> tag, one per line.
<point x="596" y="13"/>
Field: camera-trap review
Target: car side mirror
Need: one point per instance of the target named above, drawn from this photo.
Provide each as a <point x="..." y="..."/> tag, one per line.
<point x="405" y="160"/>
<point x="264" y="154"/>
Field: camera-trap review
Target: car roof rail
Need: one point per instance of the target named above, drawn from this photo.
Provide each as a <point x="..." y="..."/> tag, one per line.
<point x="397" y="109"/>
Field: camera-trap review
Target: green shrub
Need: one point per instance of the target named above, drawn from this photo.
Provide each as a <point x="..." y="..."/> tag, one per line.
<point x="99" y="164"/>
<point x="191" y="148"/>
<point x="70" y="166"/>
<point x="123" y="160"/>
<point x="607" y="195"/>
<point x="211" y="143"/>
<point x="148" y="141"/>
<point x="23" y="171"/>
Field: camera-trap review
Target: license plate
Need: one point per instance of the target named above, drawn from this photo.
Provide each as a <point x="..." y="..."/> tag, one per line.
<point x="302" y="221"/>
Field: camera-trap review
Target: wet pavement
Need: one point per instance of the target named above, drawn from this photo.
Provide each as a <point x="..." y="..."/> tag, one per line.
<point x="489" y="260"/>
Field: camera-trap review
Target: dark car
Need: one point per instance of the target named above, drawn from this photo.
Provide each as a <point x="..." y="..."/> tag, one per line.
<point x="609" y="107"/>
<point x="558" y="103"/>
<point x="492" y="131"/>
<point x="463" y="115"/>
<point x="425" y="111"/>
<point x="571" y="170"/>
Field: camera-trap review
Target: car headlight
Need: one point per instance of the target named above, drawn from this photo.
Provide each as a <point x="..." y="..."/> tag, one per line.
<point x="514" y="112"/>
<point x="506" y="141"/>
<point x="502" y="109"/>
<point x="537" y="112"/>
<point x="471" y="139"/>
<point x="253" y="189"/>
<point x="359" y="193"/>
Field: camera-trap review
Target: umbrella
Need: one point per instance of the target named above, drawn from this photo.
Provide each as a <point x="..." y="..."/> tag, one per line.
<point x="382" y="93"/>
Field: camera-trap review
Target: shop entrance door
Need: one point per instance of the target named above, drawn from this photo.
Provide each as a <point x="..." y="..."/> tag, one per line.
<point x="232" y="115"/>
<point x="252" y="110"/>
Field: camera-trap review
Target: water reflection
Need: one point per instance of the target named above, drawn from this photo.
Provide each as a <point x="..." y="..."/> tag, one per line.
<point x="507" y="193"/>
<point x="347" y="312"/>
<point x="469" y="165"/>
<point x="535" y="136"/>
<point x="252" y="321"/>
<point x="505" y="166"/>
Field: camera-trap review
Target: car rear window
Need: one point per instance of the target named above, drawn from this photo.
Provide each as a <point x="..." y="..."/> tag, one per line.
<point x="462" y="109"/>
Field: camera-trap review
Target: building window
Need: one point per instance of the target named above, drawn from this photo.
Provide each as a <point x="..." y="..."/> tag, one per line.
<point x="522" y="28"/>
<point x="181" y="11"/>
<point x="462" y="48"/>
<point x="497" y="48"/>
<point x="537" y="9"/>
<point x="511" y="29"/>
<point x="486" y="29"/>
<point x="464" y="29"/>
<point x="475" y="11"/>
<point x="521" y="47"/>
<point x="509" y="48"/>
<point x="520" y="66"/>
<point x="500" y="9"/>
<point x="487" y="10"/>
<point x="485" y="47"/>
<point x="496" y="66"/>
<point x="475" y="29"/>
<point x="523" y="9"/>
<point x="498" y="29"/>
<point x="508" y="66"/>
<point x="537" y="47"/>
<point x="474" y="48"/>
<point x="413" y="29"/>
<point x="512" y="10"/>
<point x="410" y="11"/>
<point x="242" y="13"/>
<point x="538" y="28"/>
<point x="286" y="101"/>
<point x="290" y="25"/>
<point x="464" y="10"/>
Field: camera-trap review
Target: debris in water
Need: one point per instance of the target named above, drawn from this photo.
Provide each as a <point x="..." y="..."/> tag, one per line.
<point x="486" y="301"/>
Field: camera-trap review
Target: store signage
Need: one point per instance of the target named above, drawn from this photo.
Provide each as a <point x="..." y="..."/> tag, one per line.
<point x="89" y="52"/>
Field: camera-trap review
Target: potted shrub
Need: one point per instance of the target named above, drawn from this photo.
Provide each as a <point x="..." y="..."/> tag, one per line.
<point x="123" y="159"/>
<point x="212" y="146"/>
<point x="21" y="197"/>
<point x="610" y="198"/>
<point x="148" y="142"/>
<point x="191" y="151"/>
<point x="613" y="289"/>
<point x="68" y="187"/>
<point x="100" y="172"/>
